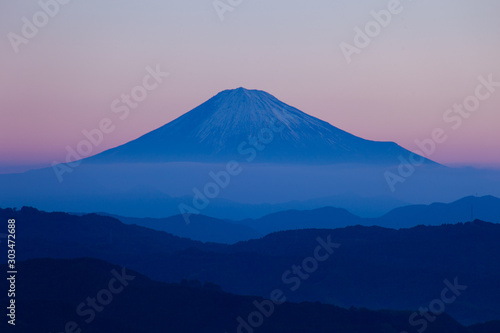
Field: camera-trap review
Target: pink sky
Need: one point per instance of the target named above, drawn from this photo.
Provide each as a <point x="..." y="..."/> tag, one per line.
<point x="397" y="89"/>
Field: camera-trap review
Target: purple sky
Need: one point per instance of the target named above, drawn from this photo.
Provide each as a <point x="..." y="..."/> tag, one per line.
<point x="398" y="88"/>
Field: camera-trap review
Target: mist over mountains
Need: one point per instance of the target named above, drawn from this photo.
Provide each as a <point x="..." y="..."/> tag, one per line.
<point x="279" y="158"/>
<point x="210" y="229"/>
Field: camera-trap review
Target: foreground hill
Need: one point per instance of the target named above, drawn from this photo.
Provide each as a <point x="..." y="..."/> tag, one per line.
<point x="54" y="295"/>
<point x="373" y="267"/>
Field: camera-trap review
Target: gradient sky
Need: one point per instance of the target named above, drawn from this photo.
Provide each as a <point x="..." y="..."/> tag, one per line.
<point x="397" y="89"/>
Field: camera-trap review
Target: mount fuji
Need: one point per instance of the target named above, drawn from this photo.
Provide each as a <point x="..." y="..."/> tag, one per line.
<point x="251" y="124"/>
<point x="294" y="158"/>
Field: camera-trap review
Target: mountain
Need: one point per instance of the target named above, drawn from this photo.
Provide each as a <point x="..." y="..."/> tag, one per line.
<point x="241" y="148"/>
<point x="486" y="208"/>
<point x="50" y="292"/>
<point x="210" y="229"/>
<point x="322" y="218"/>
<point x="373" y="267"/>
<point x="200" y="227"/>
<point x="222" y="128"/>
<point x="91" y="235"/>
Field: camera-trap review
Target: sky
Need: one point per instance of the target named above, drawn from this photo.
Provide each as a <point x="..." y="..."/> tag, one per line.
<point x="425" y="58"/>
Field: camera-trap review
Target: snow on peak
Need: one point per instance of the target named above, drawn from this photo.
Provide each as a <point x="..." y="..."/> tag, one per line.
<point x="217" y="128"/>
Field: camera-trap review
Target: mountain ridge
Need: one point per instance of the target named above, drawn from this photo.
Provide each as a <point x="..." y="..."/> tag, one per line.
<point x="233" y="122"/>
<point x="374" y="267"/>
<point x="487" y="208"/>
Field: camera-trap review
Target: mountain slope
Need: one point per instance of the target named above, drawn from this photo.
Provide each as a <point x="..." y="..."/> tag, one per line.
<point x="201" y="228"/>
<point x="206" y="228"/>
<point x="485" y="208"/>
<point x="221" y="129"/>
<point x="322" y="218"/>
<point x="374" y="267"/>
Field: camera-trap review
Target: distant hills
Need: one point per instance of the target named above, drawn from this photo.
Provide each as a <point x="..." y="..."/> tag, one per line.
<point x="485" y="208"/>
<point x="374" y="267"/>
<point x="200" y="227"/>
<point x="205" y="228"/>
<point x="48" y="302"/>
